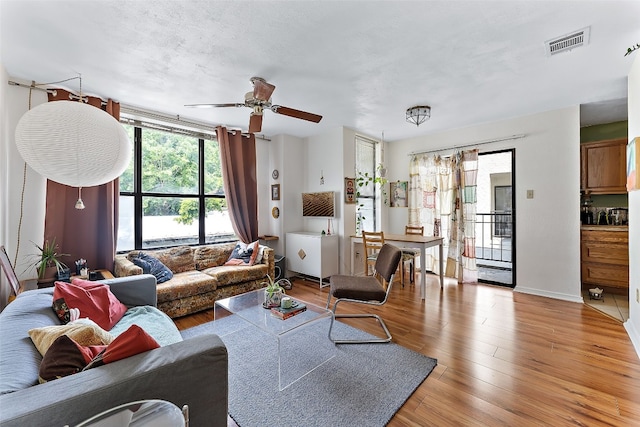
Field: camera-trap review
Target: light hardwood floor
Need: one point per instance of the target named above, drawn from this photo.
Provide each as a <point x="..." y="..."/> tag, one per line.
<point x="504" y="358"/>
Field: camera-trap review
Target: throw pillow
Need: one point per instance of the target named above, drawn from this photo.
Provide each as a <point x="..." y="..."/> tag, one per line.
<point x="244" y="254"/>
<point x="154" y="266"/>
<point x="260" y="254"/>
<point x="61" y="309"/>
<point x="144" y="265"/>
<point x="83" y="331"/>
<point x="64" y="313"/>
<point x="65" y="357"/>
<point x="93" y="299"/>
<point x="129" y="343"/>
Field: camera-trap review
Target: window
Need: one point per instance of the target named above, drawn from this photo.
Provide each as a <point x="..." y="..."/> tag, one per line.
<point x="172" y="193"/>
<point x="367" y="195"/>
<point x="502" y="197"/>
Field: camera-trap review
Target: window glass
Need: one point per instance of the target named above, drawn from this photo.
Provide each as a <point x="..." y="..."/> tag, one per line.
<point x="367" y="193"/>
<point x="169" y="163"/>
<point x="126" y="224"/>
<point x="212" y="169"/>
<point x="167" y="207"/>
<point x="126" y="179"/>
<point x="217" y="223"/>
<point x="169" y="221"/>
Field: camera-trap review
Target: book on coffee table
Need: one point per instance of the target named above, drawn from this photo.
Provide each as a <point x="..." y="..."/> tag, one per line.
<point x="285" y="313"/>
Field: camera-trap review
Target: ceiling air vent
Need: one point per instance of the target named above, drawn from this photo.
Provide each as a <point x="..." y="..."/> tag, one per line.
<point x="567" y="42"/>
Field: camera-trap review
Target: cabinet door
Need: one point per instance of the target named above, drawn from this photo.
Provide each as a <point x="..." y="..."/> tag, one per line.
<point x="605" y="275"/>
<point x="603" y="167"/>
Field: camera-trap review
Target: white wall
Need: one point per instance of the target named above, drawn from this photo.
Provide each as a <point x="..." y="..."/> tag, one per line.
<point x="4" y="178"/>
<point x="633" y="324"/>
<point x="32" y="229"/>
<point x="547" y="161"/>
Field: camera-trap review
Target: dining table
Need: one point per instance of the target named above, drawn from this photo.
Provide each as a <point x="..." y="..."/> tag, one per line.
<point x="410" y="241"/>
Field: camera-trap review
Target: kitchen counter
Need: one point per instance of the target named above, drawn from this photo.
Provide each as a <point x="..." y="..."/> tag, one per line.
<point x="604" y="227"/>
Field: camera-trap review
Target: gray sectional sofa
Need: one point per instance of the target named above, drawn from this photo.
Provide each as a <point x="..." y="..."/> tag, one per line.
<point x="192" y="372"/>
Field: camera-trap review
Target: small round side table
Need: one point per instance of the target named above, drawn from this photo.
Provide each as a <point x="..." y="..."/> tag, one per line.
<point x="156" y="413"/>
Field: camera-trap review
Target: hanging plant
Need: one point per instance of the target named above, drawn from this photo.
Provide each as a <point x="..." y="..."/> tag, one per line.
<point x="631" y="49"/>
<point x="362" y="181"/>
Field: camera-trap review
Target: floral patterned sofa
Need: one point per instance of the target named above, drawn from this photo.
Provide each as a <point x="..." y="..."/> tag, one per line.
<point x="199" y="275"/>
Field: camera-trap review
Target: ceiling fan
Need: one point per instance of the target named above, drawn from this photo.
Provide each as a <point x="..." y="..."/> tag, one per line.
<point x="260" y="100"/>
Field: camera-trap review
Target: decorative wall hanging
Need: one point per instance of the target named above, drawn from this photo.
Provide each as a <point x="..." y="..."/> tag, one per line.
<point x="349" y="190"/>
<point x="275" y="192"/>
<point x="320" y="204"/>
<point x="275" y="212"/>
<point x="398" y="194"/>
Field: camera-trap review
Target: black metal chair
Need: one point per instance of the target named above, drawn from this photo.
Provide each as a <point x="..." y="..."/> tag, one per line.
<point x="366" y="290"/>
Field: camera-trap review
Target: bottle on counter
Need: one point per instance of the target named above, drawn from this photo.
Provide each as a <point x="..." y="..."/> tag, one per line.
<point x="586" y="213"/>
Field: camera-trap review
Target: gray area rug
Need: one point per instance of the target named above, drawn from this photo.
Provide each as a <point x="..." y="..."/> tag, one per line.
<point x="363" y="385"/>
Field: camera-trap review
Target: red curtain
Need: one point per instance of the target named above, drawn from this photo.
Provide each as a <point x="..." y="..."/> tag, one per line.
<point x="90" y="233"/>
<point x="238" y="161"/>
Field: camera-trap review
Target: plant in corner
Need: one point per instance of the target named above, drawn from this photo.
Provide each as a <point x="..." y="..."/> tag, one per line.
<point x="48" y="259"/>
<point x="274" y="291"/>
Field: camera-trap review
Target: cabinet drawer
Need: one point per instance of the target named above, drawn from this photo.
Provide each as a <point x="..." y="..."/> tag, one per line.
<point x="605" y="275"/>
<point x="605" y="236"/>
<point x="605" y="253"/>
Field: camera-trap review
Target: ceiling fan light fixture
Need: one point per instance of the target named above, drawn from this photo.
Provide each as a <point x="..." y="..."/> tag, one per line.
<point x="418" y="114"/>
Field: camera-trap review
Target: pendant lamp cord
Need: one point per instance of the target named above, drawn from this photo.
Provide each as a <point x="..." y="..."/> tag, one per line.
<point x="24" y="170"/>
<point x="24" y="184"/>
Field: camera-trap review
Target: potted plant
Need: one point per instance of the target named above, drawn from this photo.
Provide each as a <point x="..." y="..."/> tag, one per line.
<point x="48" y="264"/>
<point x="274" y="291"/>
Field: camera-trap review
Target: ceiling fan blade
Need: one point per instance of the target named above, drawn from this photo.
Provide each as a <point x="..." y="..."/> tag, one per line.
<point x="255" y="123"/>
<point x="214" y="105"/>
<point x="262" y="90"/>
<point x="279" y="109"/>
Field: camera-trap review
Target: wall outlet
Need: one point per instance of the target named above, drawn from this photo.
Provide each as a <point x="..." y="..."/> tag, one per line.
<point x="529" y="194"/>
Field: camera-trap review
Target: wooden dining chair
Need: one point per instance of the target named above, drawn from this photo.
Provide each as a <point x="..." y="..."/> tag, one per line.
<point x="372" y="242"/>
<point x="410" y="254"/>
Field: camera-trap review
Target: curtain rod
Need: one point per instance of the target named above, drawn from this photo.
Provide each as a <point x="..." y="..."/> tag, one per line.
<point x="132" y="112"/>
<point x="486" y="141"/>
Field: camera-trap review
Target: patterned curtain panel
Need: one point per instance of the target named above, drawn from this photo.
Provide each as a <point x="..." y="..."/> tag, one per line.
<point x="442" y="198"/>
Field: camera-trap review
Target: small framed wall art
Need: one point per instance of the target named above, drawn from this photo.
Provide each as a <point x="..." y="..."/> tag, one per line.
<point x="275" y="192"/>
<point x="398" y="197"/>
<point x="349" y="190"/>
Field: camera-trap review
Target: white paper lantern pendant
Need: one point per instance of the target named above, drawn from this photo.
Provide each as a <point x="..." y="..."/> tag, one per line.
<point x="73" y="143"/>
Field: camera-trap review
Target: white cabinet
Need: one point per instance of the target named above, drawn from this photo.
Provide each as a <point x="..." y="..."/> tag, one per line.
<point x="313" y="254"/>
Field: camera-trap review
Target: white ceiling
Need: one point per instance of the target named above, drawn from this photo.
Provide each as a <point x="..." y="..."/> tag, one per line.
<point x="359" y="64"/>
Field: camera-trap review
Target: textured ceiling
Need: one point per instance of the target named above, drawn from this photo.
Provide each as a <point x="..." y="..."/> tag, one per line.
<point x="359" y="64"/>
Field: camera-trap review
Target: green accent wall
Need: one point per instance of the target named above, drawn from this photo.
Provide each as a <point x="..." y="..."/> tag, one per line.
<point x="601" y="133"/>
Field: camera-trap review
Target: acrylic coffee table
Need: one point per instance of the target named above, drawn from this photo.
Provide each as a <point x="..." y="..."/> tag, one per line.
<point x="294" y="360"/>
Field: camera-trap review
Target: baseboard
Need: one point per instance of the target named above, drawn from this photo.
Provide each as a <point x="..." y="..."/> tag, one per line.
<point x="548" y="294"/>
<point x="634" y="335"/>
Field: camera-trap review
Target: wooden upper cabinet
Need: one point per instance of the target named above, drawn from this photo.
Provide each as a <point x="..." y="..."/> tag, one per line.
<point x="603" y="166"/>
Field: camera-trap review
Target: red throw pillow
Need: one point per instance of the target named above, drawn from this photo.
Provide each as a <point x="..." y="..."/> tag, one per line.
<point x="129" y="343"/>
<point x="94" y="300"/>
